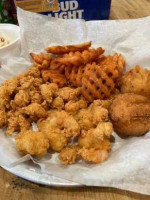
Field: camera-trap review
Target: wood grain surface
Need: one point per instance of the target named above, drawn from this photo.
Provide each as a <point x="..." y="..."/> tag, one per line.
<point x="14" y="188"/>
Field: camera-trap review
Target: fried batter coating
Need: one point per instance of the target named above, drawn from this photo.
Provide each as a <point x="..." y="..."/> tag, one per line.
<point x="35" y="97"/>
<point x="22" y="98"/>
<point x="55" y="136"/>
<point x="90" y="117"/>
<point x="26" y="82"/>
<point x="13" y="124"/>
<point x="68" y="93"/>
<point x="3" y="118"/>
<point x="58" y="103"/>
<point x="74" y="106"/>
<point x="49" y="91"/>
<point x="30" y="83"/>
<point x="24" y="124"/>
<point x="46" y="92"/>
<point x="4" y="98"/>
<point x="58" y="50"/>
<point x="31" y="142"/>
<point x="130" y="114"/>
<point x="37" y="83"/>
<point x="45" y="105"/>
<point x="97" y="137"/>
<point x="59" y="128"/>
<point x="53" y="88"/>
<point x="57" y="140"/>
<point x="11" y="84"/>
<point x="93" y="145"/>
<point x="52" y="112"/>
<point x="69" y="155"/>
<point x="13" y="106"/>
<point x="103" y="103"/>
<point x="33" y="71"/>
<point x="93" y="155"/>
<point x="66" y="123"/>
<point x="137" y="81"/>
<point x="16" y="122"/>
<point x="35" y="111"/>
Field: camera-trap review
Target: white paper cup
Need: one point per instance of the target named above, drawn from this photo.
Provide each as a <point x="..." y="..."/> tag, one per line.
<point x="12" y="33"/>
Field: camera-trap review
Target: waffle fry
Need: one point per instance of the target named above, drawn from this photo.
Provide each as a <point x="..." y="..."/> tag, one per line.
<point x="41" y="60"/>
<point x="68" y="60"/>
<point x="54" y="77"/>
<point x="77" y="58"/>
<point x="74" y="75"/>
<point x="99" y="81"/>
<point x="96" y="84"/>
<point x="113" y="65"/>
<point x="58" y="50"/>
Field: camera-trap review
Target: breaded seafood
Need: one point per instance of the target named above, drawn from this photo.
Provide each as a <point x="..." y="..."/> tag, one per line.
<point x="96" y="137"/>
<point x="74" y="106"/>
<point x="58" y="103"/>
<point x="33" y="143"/>
<point x="68" y="93"/>
<point x="34" y="111"/>
<point x="59" y="128"/>
<point x="91" y="116"/>
<point x="22" y="98"/>
<point x="93" y="145"/>
<point x="69" y="155"/>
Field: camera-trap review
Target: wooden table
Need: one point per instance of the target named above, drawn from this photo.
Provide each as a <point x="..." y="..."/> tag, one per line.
<point x="14" y="188"/>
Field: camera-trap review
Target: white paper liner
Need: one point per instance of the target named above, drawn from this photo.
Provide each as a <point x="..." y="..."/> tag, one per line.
<point x="128" y="166"/>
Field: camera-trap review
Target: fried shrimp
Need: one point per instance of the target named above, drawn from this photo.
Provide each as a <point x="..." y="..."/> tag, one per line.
<point x="31" y="142"/>
<point x="59" y="128"/>
<point x="22" y="98"/>
<point x="34" y="111"/>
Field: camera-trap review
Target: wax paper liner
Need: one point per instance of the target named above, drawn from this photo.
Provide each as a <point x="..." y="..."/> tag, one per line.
<point x="128" y="166"/>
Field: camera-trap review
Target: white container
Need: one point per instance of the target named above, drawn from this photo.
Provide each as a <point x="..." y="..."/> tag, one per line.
<point x="12" y="33"/>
